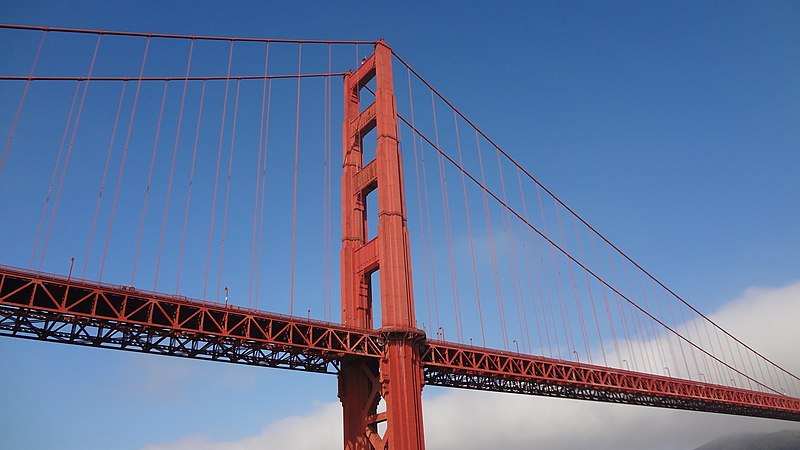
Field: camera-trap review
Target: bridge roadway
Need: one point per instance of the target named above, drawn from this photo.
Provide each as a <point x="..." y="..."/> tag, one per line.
<point x="68" y="310"/>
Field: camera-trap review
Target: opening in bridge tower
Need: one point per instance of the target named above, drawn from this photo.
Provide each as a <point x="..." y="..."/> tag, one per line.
<point x="397" y="378"/>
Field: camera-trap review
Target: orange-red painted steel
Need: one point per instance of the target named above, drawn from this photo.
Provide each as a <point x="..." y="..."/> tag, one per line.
<point x="58" y="309"/>
<point x="448" y="364"/>
<point x="119" y="309"/>
<point x="397" y="378"/>
<point x="391" y="363"/>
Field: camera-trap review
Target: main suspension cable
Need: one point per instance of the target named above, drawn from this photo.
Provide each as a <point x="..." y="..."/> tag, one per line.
<point x="584" y="221"/>
<point x="488" y="191"/>
<point x="173" y="78"/>
<point x="181" y="36"/>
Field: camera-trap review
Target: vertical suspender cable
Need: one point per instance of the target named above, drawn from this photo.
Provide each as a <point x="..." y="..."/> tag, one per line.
<point x="591" y="298"/>
<point x="258" y="177"/>
<point x="680" y="342"/>
<point x="149" y="180"/>
<point x="636" y="319"/>
<point x="571" y="274"/>
<point x="688" y="335"/>
<point x="329" y="188"/>
<point x="653" y="336"/>
<point x="420" y="215"/>
<point x="216" y="174"/>
<point x="434" y="324"/>
<point x="633" y="328"/>
<point x="490" y="235"/>
<point x="511" y="253"/>
<point x="172" y="167"/>
<point x="189" y="187"/>
<point x="526" y="258"/>
<point x="325" y="195"/>
<point x="228" y="189"/>
<point x="609" y="315"/>
<point x="103" y="180"/>
<point x="620" y="310"/>
<point x="572" y="258"/>
<point x="22" y="103"/>
<point x="54" y="174"/>
<point x="432" y="254"/>
<point x="704" y="360"/>
<point x="122" y="161"/>
<point x="296" y="159"/>
<point x="532" y="258"/>
<point x="556" y="287"/>
<point x="448" y="228"/>
<point x="69" y="153"/>
<point x="263" y="191"/>
<point x="589" y="226"/>
<point x="469" y="232"/>
<point x="544" y="288"/>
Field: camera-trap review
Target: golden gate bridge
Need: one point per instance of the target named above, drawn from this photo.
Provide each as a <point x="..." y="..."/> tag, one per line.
<point x="169" y="191"/>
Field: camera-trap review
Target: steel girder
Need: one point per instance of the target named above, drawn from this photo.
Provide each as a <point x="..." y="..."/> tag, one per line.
<point x="102" y="333"/>
<point x="58" y="309"/>
<point x="454" y="365"/>
<point x="48" y="307"/>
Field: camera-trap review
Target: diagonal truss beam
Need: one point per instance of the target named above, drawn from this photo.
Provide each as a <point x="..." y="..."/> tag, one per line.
<point x="453" y="365"/>
<point x="52" y="308"/>
<point x="58" y="309"/>
<point x="93" y="332"/>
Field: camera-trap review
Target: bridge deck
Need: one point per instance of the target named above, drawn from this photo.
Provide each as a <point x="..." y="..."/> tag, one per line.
<point x="59" y="309"/>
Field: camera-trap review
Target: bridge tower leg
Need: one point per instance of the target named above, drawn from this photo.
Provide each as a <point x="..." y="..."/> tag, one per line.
<point x="397" y="378"/>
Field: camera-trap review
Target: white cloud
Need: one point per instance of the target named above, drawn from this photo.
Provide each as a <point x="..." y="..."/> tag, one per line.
<point x="171" y="380"/>
<point x="764" y="318"/>
<point x="478" y="420"/>
<point x="767" y="320"/>
<point x="321" y="429"/>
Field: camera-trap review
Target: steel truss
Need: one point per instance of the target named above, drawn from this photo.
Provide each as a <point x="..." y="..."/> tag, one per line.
<point x="94" y="332"/>
<point x="453" y="365"/>
<point x="52" y="308"/>
<point x="60" y="309"/>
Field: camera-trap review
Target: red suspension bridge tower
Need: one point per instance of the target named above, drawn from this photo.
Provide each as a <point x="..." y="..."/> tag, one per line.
<point x="397" y="377"/>
<point x="380" y="356"/>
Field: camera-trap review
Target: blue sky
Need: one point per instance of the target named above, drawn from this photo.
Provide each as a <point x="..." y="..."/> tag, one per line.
<point x="670" y="126"/>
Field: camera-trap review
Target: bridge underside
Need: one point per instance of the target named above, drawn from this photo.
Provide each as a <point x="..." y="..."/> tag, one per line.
<point x="436" y="377"/>
<point x="63" y="328"/>
<point x="57" y="309"/>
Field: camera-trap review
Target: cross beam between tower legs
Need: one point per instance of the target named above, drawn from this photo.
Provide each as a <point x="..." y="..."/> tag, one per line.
<point x="397" y="378"/>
